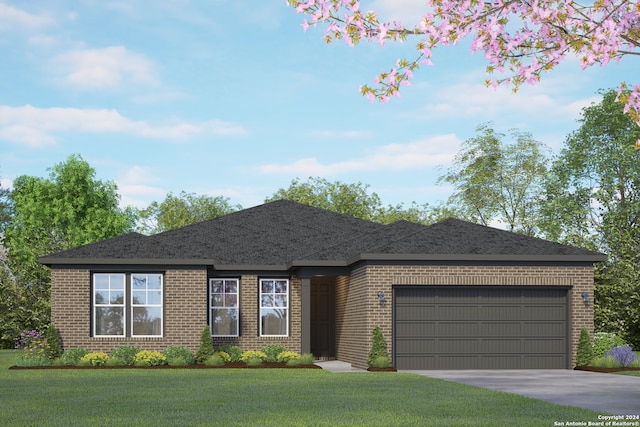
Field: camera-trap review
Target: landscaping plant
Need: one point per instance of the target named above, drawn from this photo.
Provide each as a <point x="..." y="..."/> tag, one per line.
<point x="206" y="345"/>
<point x="585" y="350"/>
<point x="605" y="341"/>
<point x="214" y="360"/>
<point x="123" y="355"/>
<point x="52" y="338"/>
<point x="72" y="356"/>
<point x="150" y="358"/>
<point x="32" y="349"/>
<point x="272" y="351"/>
<point x="378" y="348"/>
<point x="234" y="352"/>
<point x="95" y="358"/>
<point x="622" y="354"/>
<point x="286" y="356"/>
<point x="224" y="356"/>
<point x="179" y="356"/>
<point x="253" y="354"/>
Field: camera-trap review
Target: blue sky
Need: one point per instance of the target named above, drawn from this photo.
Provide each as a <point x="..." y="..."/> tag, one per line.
<point x="232" y="98"/>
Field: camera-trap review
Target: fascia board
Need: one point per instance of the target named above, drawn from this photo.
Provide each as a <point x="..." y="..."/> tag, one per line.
<point x="475" y="257"/>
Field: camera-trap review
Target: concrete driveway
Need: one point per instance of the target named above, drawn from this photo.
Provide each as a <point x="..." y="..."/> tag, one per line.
<point x="606" y="393"/>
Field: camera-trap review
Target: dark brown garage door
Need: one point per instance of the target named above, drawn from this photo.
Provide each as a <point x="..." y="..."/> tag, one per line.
<point x="480" y="327"/>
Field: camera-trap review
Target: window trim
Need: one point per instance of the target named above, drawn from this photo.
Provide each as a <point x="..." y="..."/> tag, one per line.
<point x="95" y="305"/>
<point x="133" y="305"/>
<point x="237" y="307"/>
<point x="287" y="307"/>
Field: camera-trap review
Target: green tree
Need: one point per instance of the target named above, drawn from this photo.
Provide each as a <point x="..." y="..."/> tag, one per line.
<point x="593" y="199"/>
<point x="69" y="209"/>
<point x="499" y="181"/>
<point x="352" y="199"/>
<point x="178" y="211"/>
<point x="5" y="207"/>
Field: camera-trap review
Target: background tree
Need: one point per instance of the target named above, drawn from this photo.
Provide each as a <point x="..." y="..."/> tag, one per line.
<point x="69" y="209"/>
<point x="593" y="199"/>
<point x="498" y="181"/>
<point x="354" y="200"/>
<point x="178" y="211"/>
<point x="523" y="39"/>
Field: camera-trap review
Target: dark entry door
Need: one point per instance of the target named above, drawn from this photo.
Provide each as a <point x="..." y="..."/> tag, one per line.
<point x="323" y="317"/>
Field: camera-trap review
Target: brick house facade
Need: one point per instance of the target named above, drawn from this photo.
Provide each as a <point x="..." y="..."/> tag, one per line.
<point x="339" y="277"/>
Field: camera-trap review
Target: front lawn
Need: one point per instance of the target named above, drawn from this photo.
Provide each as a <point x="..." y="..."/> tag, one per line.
<point x="259" y="397"/>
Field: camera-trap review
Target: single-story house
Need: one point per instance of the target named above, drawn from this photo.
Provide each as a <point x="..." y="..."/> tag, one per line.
<point x="452" y="295"/>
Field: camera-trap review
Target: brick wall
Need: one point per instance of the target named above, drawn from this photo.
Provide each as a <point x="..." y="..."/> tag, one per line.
<point x="185" y="311"/>
<point x="362" y="310"/>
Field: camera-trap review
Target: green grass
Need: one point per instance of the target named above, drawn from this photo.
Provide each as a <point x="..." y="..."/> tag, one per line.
<point x="263" y="397"/>
<point x="628" y="373"/>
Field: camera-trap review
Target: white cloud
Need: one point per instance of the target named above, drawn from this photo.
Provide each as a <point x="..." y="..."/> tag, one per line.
<point x="408" y="12"/>
<point x="12" y="17"/>
<point x="104" y="68"/>
<point x="137" y="187"/>
<point x="37" y="126"/>
<point x="432" y="151"/>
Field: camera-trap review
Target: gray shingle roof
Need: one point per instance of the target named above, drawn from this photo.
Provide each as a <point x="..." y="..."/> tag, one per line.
<point x="282" y="234"/>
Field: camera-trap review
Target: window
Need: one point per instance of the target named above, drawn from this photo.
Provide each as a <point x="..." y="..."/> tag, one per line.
<point x="111" y="308"/>
<point x="108" y="305"/>
<point x="274" y="307"/>
<point x="146" y="305"/>
<point x="223" y="303"/>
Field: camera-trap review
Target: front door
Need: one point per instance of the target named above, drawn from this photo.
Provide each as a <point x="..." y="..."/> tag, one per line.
<point x="323" y="317"/>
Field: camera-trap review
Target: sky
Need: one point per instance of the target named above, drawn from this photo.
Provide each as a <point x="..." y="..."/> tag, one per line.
<point x="232" y="98"/>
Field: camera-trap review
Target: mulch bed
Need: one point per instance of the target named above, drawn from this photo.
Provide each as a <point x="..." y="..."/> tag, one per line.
<point x="605" y="370"/>
<point x="390" y="369"/>
<point x="234" y="365"/>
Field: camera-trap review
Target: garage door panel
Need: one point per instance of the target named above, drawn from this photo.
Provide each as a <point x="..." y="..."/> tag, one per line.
<point x="479" y="327"/>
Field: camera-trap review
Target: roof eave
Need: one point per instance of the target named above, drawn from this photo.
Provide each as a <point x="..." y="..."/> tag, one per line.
<point x="479" y="257"/>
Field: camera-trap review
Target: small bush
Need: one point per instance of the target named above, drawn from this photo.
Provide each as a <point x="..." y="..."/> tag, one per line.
<point x="635" y="363"/>
<point x="214" y="360"/>
<point x="150" y="358"/>
<point x="206" y="345"/>
<point x="95" y="358"/>
<point x="224" y="355"/>
<point x="585" y="350"/>
<point x="379" y="346"/>
<point x="254" y="361"/>
<point x="286" y="356"/>
<point x="26" y="358"/>
<point x="605" y="341"/>
<point x="234" y="352"/>
<point x="123" y="355"/>
<point x="272" y="351"/>
<point x="305" y="359"/>
<point x="623" y="354"/>
<point x="253" y="354"/>
<point x="72" y="356"/>
<point x="380" y="362"/>
<point x="179" y="356"/>
<point x="33" y="349"/>
<point x="605" y="362"/>
<point x="53" y="348"/>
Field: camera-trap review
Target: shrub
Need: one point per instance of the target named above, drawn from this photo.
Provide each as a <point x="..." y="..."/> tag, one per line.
<point x="234" y="352"/>
<point x="605" y="362"/>
<point x="585" y="350"/>
<point x="179" y="356"/>
<point x="380" y="362"/>
<point x="95" y="358"/>
<point x="27" y="358"/>
<point x="73" y="356"/>
<point x="272" y="351"/>
<point x="635" y="363"/>
<point x="623" y="354"/>
<point x="253" y="354"/>
<point x="379" y="346"/>
<point x="150" y="358"/>
<point x="33" y="349"/>
<point x="254" y="361"/>
<point x="206" y="345"/>
<point x="214" y="360"/>
<point x="286" y="356"/>
<point x="605" y="341"/>
<point x="223" y="355"/>
<point x="123" y="355"/>
<point x="305" y="359"/>
<point x="53" y="348"/>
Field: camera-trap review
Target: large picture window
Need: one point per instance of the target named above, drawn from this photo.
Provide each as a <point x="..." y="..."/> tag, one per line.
<point x="109" y="305"/>
<point x="223" y="303"/>
<point x="274" y="307"/>
<point x="146" y="305"/>
<point x="127" y="305"/>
